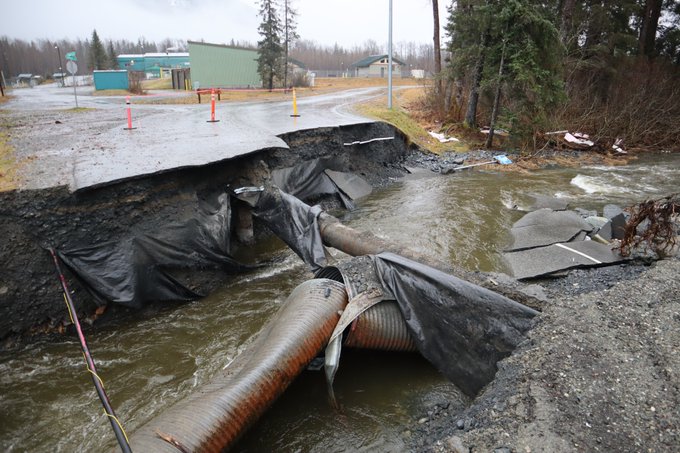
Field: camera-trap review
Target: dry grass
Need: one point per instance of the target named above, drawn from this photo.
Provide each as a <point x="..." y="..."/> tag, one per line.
<point x="405" y="117"/>
<point x="5" y="98"/>
<point x="322" y="86"/>
<point x="157" y="84"/>
<point x="111" y="93"/>
<point x="8" y="163"/>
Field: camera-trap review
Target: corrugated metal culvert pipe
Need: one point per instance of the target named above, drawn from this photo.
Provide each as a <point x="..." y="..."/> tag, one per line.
<point x="380" y="327"/>
<point x="212" y="419"/>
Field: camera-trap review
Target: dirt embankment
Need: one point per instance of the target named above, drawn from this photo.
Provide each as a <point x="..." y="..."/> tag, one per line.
<point x="600" y="372"/>
<point x="31" y="220"/>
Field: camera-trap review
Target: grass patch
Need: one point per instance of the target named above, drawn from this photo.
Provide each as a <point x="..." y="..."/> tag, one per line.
<point x="402" y="119"/>
<point x="111" y="93"/>
<point x="157" y="84"/>
<point x="322" y="86"/>
<point x="8" y="163"/>
<point x="79" y="109"/>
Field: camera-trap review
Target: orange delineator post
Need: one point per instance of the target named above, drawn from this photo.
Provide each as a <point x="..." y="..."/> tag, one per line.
<point x="212" y="107"/>
<point x="129" y="115"/>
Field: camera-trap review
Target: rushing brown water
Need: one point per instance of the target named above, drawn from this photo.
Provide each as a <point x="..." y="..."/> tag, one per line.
<point x="48" y="404"/>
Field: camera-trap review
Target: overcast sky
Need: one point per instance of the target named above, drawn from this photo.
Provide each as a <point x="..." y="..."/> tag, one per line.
<point x="346" y="22"/>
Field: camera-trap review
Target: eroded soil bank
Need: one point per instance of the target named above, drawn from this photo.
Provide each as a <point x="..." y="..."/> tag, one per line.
<point x="32" y="220"/>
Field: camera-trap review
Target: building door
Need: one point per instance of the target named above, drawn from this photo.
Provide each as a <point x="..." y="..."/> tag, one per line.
<point x="382" y="73"/>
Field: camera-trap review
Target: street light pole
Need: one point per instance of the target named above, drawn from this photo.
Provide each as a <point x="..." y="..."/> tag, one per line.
<point x="61" y="72"/>
<point x="389" y="61"/>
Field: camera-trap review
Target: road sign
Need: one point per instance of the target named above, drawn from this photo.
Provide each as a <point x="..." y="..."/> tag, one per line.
<point x="71" y="56"/>
<point x="71" y="67"/>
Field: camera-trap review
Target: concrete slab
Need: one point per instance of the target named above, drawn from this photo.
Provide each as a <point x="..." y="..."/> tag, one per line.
<point x="352" y="185"/>
<point x="545" y="226"/>
<point x="542" y="261"/>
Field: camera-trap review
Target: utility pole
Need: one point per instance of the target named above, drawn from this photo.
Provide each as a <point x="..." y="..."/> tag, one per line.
<point x="389" y="62"/>
<point x="61" y="72"/>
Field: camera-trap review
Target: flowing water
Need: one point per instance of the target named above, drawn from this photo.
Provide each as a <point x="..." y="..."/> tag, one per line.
<point x="48" y="404"/>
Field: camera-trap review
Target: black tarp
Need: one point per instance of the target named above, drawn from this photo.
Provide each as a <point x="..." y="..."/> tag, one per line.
<point x="134" y="269"/>
<point x="309" y="181"/>
<point x="295" y="223"/>
<point x="461" y="328"/>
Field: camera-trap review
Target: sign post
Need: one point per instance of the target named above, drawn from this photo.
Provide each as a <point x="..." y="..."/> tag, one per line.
<point x="72" y="67"/>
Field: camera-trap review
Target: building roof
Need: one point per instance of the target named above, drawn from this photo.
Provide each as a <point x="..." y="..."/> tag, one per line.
<point x="372" y="59"/>
<point x="198" y="43"/>
<point x="297" y="63"/>
<point x="154" y="54"/>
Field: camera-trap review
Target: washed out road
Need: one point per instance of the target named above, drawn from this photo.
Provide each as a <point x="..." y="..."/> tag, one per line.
<point x="90" y="147"/>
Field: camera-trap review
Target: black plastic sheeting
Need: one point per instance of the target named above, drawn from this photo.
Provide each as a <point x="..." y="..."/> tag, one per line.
<point x="134" y="270"/>
<point x="461" y="328"/>
<point x="295" y="223"/>
<point x="308" y="180"/>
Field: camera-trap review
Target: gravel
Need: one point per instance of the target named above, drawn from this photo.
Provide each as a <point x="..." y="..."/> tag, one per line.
<point x="600" y="372"/>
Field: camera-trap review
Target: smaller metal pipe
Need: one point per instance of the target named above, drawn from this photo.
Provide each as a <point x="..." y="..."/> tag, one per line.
<point x="380" y="327"/>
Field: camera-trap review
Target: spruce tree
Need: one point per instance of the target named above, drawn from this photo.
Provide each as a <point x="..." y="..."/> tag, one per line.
<point x="98" y="57"/>
<point x="289" y="34"/>
<point x="113" y="61"/>
<point x="510" y="44"/>
<point x="269" y="48"/>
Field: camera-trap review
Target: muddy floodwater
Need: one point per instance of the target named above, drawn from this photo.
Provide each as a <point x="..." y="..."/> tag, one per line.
<point x="48" y="404"/>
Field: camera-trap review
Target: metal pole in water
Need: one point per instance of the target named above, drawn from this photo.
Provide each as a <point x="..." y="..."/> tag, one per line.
<point x="389" y="61"/>
<point x="118" y="430"/>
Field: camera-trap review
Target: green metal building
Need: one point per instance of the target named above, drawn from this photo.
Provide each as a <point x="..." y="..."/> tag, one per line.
<point x="220" y="66"/>
<point x="111" y="80"/>
<point x="153" y="63"/>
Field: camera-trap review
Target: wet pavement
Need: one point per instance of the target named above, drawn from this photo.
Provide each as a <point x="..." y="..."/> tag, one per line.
<point x="90" y="147"/>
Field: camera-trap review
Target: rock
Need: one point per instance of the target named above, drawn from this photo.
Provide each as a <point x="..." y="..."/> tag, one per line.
<point x="542" y="202"/>
<point x="469" y="424"/>
<point x="602" y="225"/>
<point x="618" y="225"/>
<point x="460" y="424"/>
<point x="585" y="212"/>
<point x="455" y="445"/>
<point x="611" y="210"/>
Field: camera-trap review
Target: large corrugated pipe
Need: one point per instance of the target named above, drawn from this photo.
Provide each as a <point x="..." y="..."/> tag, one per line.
<point x="213" y="418"/>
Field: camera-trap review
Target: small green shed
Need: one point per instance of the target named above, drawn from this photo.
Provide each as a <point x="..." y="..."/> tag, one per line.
<point x="111" y="80"/>
<point x="220" y="66"/>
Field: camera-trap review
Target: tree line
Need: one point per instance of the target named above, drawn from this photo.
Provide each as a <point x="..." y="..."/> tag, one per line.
<point x="607" y="67"/>
<point x="41" y="57"/>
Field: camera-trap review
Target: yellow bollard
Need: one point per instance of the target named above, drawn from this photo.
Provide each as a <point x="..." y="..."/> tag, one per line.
<point x="295" y="110"/>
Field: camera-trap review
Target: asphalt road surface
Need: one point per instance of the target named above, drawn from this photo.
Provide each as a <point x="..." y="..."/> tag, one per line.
<point x="91" y="147"/>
